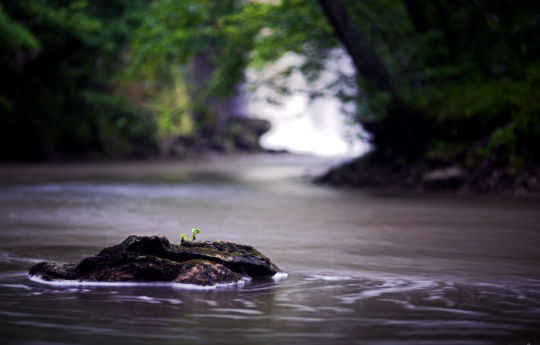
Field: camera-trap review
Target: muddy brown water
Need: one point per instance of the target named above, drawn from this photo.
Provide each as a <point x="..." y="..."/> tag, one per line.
<point x="363" y="267"/>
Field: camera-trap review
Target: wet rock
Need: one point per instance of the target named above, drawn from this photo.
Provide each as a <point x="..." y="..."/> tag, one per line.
<point x="155" y="259"/>
<point x="446" y="178"/>
<point x="237" y="135"/>
<point x="202" y="272"/>
<point x="51" y="271"/>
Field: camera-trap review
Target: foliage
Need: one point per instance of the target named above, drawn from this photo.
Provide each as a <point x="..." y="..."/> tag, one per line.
<point x="175" y="31"/>
<point x="469" y="70"/>
<point x="194" y="232"/>
<point x="57" y="95"/>
<point x="172" y="105"/>
<point x="203" y="48"/>
<point x="474" y="75"/>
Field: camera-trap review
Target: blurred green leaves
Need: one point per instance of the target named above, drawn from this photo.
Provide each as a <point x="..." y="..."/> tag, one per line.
<point x="471" y="72"/>
<point x="14" y="35"/>
<point x="60" y="60"/>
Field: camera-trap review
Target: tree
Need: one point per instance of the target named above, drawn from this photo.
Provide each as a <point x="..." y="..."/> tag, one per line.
<point x="57" y="94"/>
<point x="461" y="97"/>
<point x="439" y="82"/>
<point x="363" y="55"/>
<point x="419" y="64"/>
<point x="206" y="39"/>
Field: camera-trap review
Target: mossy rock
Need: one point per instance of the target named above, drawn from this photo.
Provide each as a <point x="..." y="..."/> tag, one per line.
<point x="155" y="259"/>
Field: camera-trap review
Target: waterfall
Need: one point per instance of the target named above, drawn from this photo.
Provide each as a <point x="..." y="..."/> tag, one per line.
<point x="317" y="126"/>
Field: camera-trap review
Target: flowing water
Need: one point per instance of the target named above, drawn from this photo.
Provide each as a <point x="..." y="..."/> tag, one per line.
<point x="363" y="267"/>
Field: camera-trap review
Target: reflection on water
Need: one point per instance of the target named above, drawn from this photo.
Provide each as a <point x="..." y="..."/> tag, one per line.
<point x="363" y="267"/>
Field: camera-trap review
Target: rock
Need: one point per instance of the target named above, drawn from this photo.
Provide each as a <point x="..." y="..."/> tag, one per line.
<point x="51" y="271"/>
<point x="155" y="259"/>
<point x="237" y="135"/>
<point x="201" y="272"/>
<point x="446" y="178"/>
<point x="257" y="126"/>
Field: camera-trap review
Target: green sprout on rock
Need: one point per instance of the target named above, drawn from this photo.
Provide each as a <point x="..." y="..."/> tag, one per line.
<point x="194" y="232"/>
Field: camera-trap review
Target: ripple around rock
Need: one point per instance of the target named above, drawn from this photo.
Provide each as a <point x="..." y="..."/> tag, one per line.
<point x="155" y="259"/>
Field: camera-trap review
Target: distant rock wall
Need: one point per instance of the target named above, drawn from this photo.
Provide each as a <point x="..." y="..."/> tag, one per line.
<point x="240" y="135"/>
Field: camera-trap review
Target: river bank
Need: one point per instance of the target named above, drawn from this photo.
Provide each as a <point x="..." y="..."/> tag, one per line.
<point x="363" y="172"/>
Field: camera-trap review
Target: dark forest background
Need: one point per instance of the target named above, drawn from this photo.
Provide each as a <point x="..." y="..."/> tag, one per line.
<point x="440" y="84"/>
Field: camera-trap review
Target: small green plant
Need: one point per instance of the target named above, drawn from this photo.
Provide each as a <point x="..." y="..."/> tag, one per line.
<point x="194" y="233"/>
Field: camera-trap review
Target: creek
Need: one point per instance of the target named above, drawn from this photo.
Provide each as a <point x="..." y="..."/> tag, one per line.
<point x="364" y="267"/>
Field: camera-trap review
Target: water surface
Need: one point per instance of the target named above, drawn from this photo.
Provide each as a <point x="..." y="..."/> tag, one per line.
<point x="364" y="267"/>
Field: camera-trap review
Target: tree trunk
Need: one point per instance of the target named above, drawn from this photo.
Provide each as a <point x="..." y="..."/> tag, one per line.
<point x="402" y="132"/>
<point x="365" y="59"/>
